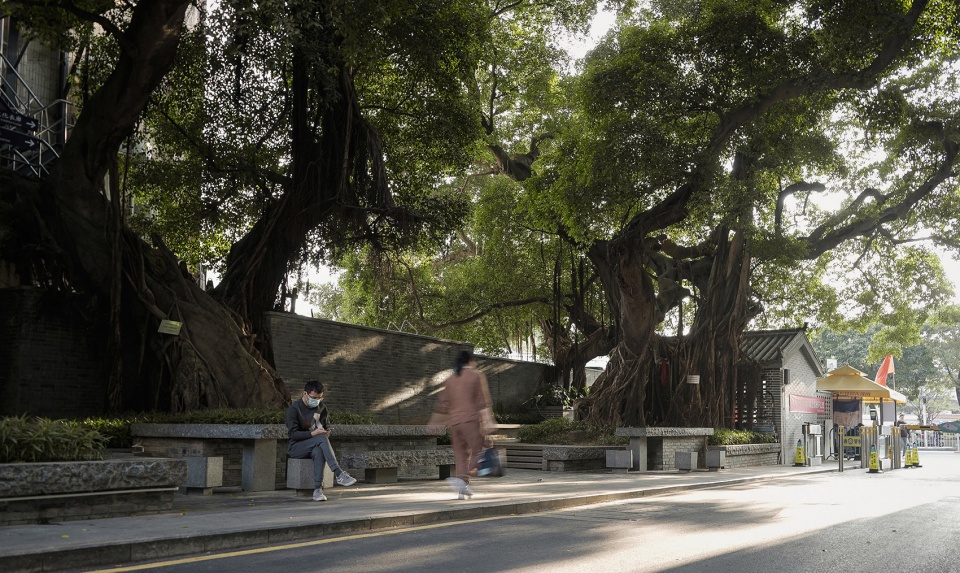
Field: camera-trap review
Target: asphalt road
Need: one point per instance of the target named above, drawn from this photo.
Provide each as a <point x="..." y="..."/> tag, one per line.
<point x="850" y="522"/>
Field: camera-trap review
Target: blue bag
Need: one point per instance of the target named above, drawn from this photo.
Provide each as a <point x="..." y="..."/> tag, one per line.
<point x="492" y="462"/>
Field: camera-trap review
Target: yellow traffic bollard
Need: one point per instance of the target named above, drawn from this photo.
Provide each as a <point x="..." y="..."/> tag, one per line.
<point x="874" y="462"/>
<point x="916" y="456"/>
<point x="908" y="461"/>
<point x="798" y="460"/>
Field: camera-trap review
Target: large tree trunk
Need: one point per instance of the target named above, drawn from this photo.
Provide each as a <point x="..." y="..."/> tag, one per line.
<point x="618" y="396"/>
<point x="717" y="333"/>
<point x="80" y="245"/>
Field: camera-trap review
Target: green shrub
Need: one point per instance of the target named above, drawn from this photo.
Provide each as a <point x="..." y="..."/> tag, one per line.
<point x="116" y="431"/>
<point x="728" y="437"/>
<point x="569" y="432"/>
<point x="245" y="416"/>
<point x="523" y="418"/>
<point x="24" y="439"/>
<point x="215" y="416"/>
<point x="347" y="418"/>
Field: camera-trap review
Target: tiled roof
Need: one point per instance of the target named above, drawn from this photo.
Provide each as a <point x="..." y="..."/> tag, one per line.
<point x="772" y="345"/>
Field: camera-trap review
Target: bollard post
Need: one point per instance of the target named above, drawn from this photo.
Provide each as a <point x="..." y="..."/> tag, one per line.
<point x="840" y="435"/>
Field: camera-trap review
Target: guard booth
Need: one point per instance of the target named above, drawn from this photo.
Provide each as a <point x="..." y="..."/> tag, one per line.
<point x="851" y="392"/>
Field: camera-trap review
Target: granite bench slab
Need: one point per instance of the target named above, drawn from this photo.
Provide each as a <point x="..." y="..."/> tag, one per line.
<point x="381" y="466"/>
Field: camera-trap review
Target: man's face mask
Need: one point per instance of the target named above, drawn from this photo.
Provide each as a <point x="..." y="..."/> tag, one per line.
<point x="312" y="402"/>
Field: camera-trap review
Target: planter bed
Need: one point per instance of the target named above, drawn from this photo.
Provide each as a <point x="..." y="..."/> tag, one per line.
<point x="749" y="455"/>
<point x="63" y="491"/>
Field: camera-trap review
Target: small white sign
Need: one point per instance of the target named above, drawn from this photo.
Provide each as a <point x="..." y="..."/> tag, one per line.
<point x="169" y="327"/>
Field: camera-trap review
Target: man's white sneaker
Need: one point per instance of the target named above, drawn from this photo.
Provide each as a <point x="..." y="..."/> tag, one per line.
<point x="318" y="495"/>
<point x="346" y="479"/>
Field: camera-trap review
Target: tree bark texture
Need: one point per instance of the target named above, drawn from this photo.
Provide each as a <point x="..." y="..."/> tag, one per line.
<point x="75" y="232"/>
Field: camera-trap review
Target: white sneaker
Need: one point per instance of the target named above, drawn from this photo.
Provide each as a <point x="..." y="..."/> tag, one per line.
<point x="456" y="484"/>
<point x="318" y="495"/>
<point x="346" y="479"/>
<point x="465" y="492"/>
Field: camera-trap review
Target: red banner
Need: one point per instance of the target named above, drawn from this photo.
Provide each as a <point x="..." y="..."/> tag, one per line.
<point x="807" y="405"/>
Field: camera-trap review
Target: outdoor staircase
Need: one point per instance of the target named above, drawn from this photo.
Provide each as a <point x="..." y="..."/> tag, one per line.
<point x="524" y="456"/>
<point x="32" y="132"/>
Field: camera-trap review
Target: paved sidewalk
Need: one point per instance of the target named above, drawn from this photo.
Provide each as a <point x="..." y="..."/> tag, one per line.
<point x="233" y="519"/>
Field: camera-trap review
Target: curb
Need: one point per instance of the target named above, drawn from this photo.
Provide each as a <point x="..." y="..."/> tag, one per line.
<point x="107" y="554"/>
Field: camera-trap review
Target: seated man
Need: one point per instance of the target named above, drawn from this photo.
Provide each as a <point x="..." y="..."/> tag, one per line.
<point x="308" y="427"/>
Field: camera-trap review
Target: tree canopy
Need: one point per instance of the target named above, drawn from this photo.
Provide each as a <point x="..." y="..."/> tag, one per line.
<point x="710" y="166"/>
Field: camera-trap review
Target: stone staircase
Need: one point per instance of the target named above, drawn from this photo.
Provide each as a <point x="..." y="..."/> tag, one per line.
<point x="524" y="456"/>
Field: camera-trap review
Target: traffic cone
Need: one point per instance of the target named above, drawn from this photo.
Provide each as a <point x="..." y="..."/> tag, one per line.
<point x="874" y="462"/>
<point x="908" y="461"/>
<point x="916" y="456"/>
<point x="798" y="460"/>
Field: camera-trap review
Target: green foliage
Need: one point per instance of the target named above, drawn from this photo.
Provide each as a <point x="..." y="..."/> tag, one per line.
<point x="522" y="418"/>
<point x="215" y="416"/>
<point x="569" y="432"/>
<point x="245" y="416"/>
<point x="29" y="439"/>
<point x="347" y="418"/>
<point x="728" y="437"/>
<point x="116" y="431"/>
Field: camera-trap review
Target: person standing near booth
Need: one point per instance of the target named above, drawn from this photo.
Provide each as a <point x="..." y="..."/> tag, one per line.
<point x="904" y="435"/>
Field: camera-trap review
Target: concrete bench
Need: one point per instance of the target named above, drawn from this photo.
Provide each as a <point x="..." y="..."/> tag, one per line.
<point x="300" y="476"/>
<point x="619" y="460"/>
<point x="381" y="466"/>
<point x="203" y="474"/>
<point x="653" y="447"/>
<point x="259" y="465"/>
<point x="685" y="461"/>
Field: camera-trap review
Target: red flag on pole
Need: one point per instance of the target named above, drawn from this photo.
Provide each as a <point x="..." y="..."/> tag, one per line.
<point x="885" y="368"/>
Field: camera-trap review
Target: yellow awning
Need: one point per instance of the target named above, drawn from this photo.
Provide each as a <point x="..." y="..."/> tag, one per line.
<point x="848" y="382"/>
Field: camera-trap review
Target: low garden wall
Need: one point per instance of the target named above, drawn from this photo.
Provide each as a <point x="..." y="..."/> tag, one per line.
<point x="62" y="491"/>
<point x="749" y="455"/>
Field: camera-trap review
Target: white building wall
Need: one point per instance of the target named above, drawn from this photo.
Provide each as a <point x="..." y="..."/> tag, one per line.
<point x="802" y="381"/>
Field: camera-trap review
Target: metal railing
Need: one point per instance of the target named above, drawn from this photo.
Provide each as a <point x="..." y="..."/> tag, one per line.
<point x="55" y="123"/>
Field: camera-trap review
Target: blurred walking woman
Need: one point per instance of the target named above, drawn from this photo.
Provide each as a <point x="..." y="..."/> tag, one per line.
<point x="464" y="405"/>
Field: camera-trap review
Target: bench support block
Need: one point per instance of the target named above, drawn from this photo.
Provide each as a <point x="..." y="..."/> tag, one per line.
<point x="448" y="471"/>
<point x="380" y="475"/>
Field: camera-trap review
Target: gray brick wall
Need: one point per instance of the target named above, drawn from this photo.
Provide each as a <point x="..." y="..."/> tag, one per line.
<point x="392" y="375"/>
<point x="49" y="359"/>
<point x="50" y="364"/>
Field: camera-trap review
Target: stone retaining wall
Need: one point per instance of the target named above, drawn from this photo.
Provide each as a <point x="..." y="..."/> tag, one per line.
<point x="750" y="455"/>
<point x="63" y="491"/>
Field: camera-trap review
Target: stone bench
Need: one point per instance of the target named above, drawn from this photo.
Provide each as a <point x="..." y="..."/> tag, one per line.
<point x="382" y="466"/>
<point x="259" y="464"/>
<point x="255" y="455"/>
<point x="655" y="447"/>
<point x="300" y="476"/>
<point x="203" y="474"/>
